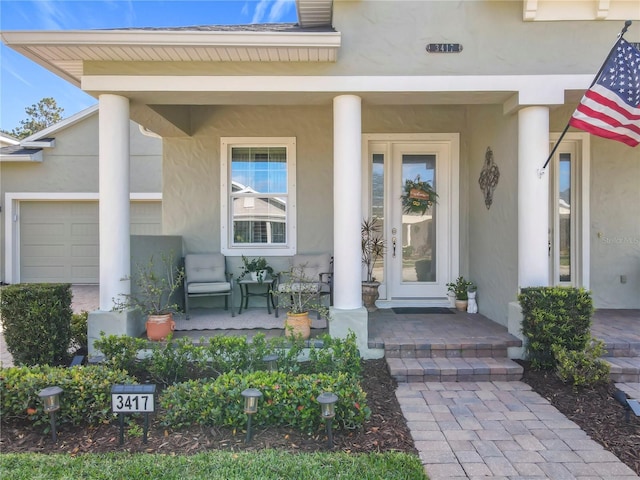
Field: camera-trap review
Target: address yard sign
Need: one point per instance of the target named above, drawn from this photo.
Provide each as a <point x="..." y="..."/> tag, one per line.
<point x="133" y="399"/>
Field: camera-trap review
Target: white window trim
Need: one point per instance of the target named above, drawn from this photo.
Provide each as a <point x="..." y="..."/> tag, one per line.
<point x="225" y="183"/>
<point x="580" y="144"/>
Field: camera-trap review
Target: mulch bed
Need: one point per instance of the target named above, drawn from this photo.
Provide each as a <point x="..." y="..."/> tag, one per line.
<point x="594" y="410"/>
<point x="385" y="431"/>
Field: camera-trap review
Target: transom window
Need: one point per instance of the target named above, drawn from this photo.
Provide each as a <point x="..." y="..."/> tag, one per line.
<point x="258" y="196"/>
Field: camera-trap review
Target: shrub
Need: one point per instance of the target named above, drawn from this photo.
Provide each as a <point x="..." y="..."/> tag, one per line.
<point x="174" y="360"/>
<point x="121" y="351"/>
<point x="79" y="331"/>
<point x="582" y="368"/>
<point x="86" y="397"/>
<point x="554" y="316"/>
<point x="37" y="322"/>
<point x="336" y="355"/>
<point x="288" y="400"/>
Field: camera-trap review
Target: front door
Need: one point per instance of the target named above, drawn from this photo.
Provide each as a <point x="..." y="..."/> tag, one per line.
<point x="421" y="238"/>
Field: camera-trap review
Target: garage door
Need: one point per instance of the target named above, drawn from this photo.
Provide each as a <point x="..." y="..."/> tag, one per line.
<point x="59" y="240"/>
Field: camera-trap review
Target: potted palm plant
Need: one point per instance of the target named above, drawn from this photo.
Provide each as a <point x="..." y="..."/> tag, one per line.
<point x="153" y="288"/>
<point x="373" y="247"/>
<point x="298" y="295"/>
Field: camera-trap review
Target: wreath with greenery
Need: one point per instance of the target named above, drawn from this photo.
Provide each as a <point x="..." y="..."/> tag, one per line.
<point x="418" y="196"/>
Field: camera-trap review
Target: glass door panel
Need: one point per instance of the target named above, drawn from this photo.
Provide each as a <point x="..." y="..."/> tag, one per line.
<point x="418" y="233"/>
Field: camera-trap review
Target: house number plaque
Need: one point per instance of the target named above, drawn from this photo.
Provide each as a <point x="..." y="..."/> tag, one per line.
<point x="127" y="399"/>
<point x="444" y="48"/>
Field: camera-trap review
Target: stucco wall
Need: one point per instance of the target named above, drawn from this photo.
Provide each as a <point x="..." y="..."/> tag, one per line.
<point x="614" y="229"/>
<point x="191" y="198"/>
<point x="493" y="232"/>
<point x="615" y="224"/>
<point x="192" y="169"/>
<point x="72" y="166"/>
<point x="389" y="38"/>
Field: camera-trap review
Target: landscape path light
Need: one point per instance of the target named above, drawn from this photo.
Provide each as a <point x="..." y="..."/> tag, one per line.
<point x="271" y="361"/>
<point x="327" y="401"/>
<point x="51" y="401"/>
<point x="251" y="396"/>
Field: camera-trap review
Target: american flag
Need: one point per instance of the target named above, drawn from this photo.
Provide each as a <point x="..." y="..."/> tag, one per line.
<point x="611" y="107"/>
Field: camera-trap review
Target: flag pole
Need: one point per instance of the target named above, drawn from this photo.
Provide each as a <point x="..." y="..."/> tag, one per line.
<point x="627" y="24"/>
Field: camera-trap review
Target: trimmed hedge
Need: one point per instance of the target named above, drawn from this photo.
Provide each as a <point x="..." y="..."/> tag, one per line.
<point x="86" y="397"/>
<point x="36" y="319"/>
<point x="555" y="316"/>
<point x="288" y="400"/>
<point x="178" y="360"/>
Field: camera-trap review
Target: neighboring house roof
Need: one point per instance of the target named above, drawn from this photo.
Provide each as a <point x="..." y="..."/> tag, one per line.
<point x="29" y="149"/>
<point x="48" y="133"/>
<point x="18" y="153"/>
<point x="8" y="140"/>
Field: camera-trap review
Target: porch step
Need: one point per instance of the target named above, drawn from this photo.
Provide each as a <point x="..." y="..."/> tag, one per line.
<point x="624" y="369"/>
<point x="441" y="369"/>
<point x="488" y="348"/>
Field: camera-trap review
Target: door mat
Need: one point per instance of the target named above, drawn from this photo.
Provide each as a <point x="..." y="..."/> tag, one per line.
<point x="419" y="310"/>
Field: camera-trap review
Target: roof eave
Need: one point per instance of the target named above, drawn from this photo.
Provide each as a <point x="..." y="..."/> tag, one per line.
<point x="64" y="52"/>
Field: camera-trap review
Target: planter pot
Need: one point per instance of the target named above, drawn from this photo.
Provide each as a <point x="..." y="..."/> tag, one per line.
<point x="461" y="305"/>
<point x="369" y="295"/>
<point x="256" y="276"/>
<point x="160" y="326"/>
<point x="297" y="324"/>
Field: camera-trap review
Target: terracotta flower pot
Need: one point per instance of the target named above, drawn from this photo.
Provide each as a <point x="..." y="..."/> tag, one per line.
<point x="298" y="324"/>
<point x="160" y="326"/>
<point x="461" y="305"/>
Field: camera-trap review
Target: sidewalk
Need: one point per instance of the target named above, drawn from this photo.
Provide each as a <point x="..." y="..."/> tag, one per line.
<point x="500" y="430"/>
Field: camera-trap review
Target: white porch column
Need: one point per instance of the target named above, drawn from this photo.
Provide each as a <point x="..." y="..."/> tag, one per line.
<point x="533" y="197"/>
<point x="115" y="258"/>
<point x="347" y="198"/>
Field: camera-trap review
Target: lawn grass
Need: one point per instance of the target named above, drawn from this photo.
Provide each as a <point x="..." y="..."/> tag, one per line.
<point x="264" y="465"/>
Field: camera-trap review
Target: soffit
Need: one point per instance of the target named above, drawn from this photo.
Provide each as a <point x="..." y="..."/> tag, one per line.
<point x="63" y="52"/>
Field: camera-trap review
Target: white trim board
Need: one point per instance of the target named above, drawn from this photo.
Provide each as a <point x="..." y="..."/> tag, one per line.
<point x="12" y="220"/>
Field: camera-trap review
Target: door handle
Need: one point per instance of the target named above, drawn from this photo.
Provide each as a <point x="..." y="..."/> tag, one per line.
<point x="393" y="243"/>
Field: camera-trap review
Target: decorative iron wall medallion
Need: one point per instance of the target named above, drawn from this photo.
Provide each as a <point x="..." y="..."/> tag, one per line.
<point x="489" y="177"/>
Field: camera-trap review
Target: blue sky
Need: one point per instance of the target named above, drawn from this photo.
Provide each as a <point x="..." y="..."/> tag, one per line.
<point x="24" y="83"/>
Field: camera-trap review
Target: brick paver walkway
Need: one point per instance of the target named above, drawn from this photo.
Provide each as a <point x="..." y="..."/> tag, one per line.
<point x="500" y="430"/>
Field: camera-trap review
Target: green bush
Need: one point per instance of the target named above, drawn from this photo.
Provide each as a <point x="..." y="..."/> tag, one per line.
<point x="336" y="355"/>
<point x="554" y="316"/>
<point x="86" y="397"/>
<point x="582" y="368"/>
<point x="36" y="319"/>
<point x="79" y="331"/>
<point x="175" y="361"/>
<point x="288" y="400"/>
<point x="121" y="351"/>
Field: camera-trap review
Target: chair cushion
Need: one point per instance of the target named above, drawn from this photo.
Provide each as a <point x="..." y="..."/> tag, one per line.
<point x="299" y="287"/>
<point x="313" y="264"/>
<point x="205" y="267"/>
<point x="196" y="288"/>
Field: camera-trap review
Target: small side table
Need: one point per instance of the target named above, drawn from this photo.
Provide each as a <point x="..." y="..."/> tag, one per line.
<point x="245" y="292"/>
